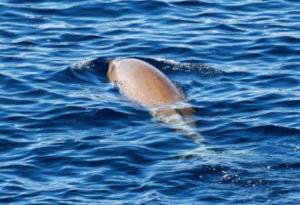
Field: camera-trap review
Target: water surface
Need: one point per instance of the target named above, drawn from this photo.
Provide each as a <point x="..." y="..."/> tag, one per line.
<point x="68" y="137"/>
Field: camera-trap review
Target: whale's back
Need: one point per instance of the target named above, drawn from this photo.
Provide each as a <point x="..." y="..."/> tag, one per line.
<point x="143" y="83"/>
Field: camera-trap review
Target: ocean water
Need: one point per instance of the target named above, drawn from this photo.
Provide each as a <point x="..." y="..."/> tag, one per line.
<point x="67" y="136"/>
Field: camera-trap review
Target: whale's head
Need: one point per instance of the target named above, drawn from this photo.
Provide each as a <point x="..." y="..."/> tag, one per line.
<point x="111" y="74"/>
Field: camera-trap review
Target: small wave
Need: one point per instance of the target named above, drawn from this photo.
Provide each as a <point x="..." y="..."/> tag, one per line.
<point x="190" y="68"/>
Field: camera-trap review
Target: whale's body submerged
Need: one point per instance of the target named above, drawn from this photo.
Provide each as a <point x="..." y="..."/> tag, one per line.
<point x="148" y="86"/>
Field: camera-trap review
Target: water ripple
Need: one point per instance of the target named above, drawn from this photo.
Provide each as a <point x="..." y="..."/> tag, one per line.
<point x="69" y="136"/>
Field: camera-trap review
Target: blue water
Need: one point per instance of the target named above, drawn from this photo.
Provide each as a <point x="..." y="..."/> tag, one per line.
<point x="67" y="136"/>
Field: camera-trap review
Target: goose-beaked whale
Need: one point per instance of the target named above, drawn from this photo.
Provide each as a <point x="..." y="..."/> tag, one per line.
<point x="143" y="83"/>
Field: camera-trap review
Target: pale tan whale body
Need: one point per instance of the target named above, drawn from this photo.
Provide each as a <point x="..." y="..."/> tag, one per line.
<point x="143" y="83"/>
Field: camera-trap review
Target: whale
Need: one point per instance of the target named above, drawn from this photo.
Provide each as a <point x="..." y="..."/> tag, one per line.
<point x="146" y="85"/>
